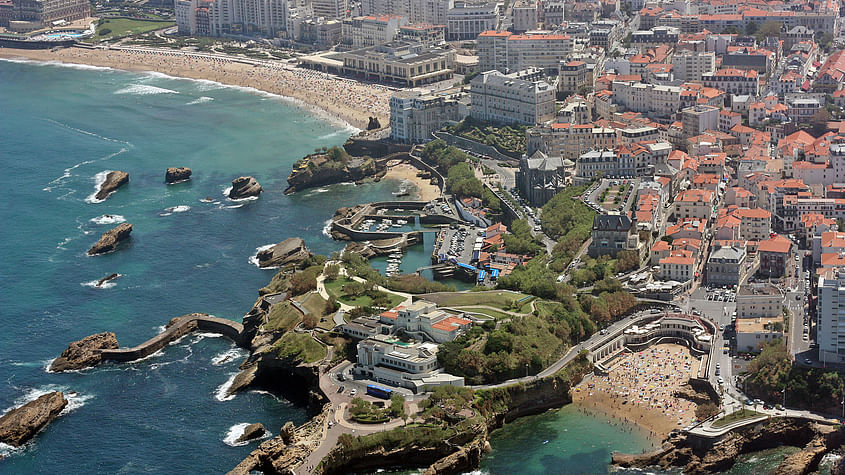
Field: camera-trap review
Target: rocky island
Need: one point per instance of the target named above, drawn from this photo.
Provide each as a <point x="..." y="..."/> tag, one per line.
<point x="114" y="180"/>
<point x="110" y="239"/>
<point x="177" y="175"/>
<point x="84" y="353"/>
<point x="244" y="187"/>
<point x="21" y="424"/>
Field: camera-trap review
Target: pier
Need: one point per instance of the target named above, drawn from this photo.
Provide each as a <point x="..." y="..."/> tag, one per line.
<point x="178" y="328"/>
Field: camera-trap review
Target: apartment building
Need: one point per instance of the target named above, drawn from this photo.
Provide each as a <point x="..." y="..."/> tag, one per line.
<point x="521" y="97"/>
<point x="651" y="99"/>
<point x="698" y="119"/>
<point x="431" y="12"/>
<point x="692" y="65"/>
<point x="695" y="204"/>
<point x="507" y="52"/>
<point x="726" y="265"/>
<point x="831" y="315"/>
<point x="465" y="21"/>
<point x="330" y="9"/>
<point x="568" y="140"/>
<point x="759" y="299"/>
<point x="248" y="17"/>
<point x="610" y="234"/>
<point x="43" y="13"/>
<point x="524" y="16"/>
<point x="414" y="115"/>
<point x="573" y="76"/>
<point x="733" y="81"/>
<point x="364" y="31"/>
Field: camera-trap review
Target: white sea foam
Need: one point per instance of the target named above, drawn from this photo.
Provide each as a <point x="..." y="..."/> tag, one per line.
<point x="254" y="258"/>
<point x="92" y="134"/>
<point x="228" y="356"/>
<point x="226" y="194"/>
<point x="108" y="219"/>
<point x="87" y="67"/>
<point x="234" y="432"/>
<point x="149" y="357"/>
<point x="7" y="450"/>
<point x="106" y="285"/>
<point x="208" y="200"/>
<point x="327" y="228"/>
<point x="160" y="329"/>
<point x="175" y="209"/>
<point x="202" y="335"/>
<point x="61" y="245"/>
<point x="200" y="100"/>
<point x="145" y="90"/>
<point x="99" y="179"/>
<point x="74" y="399"/>
<point x="220" y="393"/>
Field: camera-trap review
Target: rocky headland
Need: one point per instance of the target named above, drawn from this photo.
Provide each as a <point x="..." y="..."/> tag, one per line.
<point x="177" y="175"/>
<point x="114" y="180"/>
<point x="289" y="251"/>
<point x="84" y="353"/>
<point x="696" y="455"/>
<point x="20" y="424"/>
<point x="330" y="167"/>
<point x="244" y="187"/>
<point x="110" y="239"/>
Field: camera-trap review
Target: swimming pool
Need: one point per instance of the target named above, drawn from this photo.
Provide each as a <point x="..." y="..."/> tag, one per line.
<point x="65" y="34"/>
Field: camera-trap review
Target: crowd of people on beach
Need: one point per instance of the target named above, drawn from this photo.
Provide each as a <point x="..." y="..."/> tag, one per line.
<point x="647" y="380"/>
<point x="351" y="100"/>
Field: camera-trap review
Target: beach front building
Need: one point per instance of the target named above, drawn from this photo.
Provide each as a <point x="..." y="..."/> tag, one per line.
<point x="759" y="300"/>
<point x="507" y="52"/>
<point x="465" y="21"/>
<point x="30" y="15"/>
<point x="522" y="97"/>
<point x="248" y="17"/>
<point x="386" y="360"/>
<point x="414" y="115"/>
<point x="364" y="31"/>
<point x="403" y="63"/>
<point x="831" y="315"/>
<point x="432" y="12"/>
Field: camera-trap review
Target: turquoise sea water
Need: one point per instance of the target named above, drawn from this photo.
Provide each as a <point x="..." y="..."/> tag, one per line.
<point x="59" y="128"/>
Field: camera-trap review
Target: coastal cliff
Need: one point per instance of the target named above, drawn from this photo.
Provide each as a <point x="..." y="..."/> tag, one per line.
<point x="701" y="456"/>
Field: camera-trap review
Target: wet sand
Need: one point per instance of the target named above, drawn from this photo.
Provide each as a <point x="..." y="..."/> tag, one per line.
<point x="639" y="391"/>
<point x="406" y="171"/>
<point x="341" y="98"/>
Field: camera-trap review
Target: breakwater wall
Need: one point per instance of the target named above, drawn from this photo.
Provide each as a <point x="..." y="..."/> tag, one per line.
<point x="178" y="328"/>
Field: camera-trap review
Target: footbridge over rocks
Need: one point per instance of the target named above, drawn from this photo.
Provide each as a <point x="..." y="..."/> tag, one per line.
<point x="177" y="328"/>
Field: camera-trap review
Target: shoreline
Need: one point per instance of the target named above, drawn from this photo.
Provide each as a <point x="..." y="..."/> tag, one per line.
<point x="328" y="97"/>
<point x="423" y="188"/>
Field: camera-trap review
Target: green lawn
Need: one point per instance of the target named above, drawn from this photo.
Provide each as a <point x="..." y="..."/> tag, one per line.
<point x="335" y="289"/>
<point x="493" y="298"/>
<point x="300" y="346"/>
<point x="114" y="28"/>
<point x="735" y="416"/>
<point x="282" y="316"/>
<point x="486" y="311"/>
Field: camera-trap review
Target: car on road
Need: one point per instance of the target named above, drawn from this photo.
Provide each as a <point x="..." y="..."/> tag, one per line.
<point x="808" y="361"/>
<point x="353" y="392"/>
<point x="340" y="389"/>
<point x="768" y="407"/>
<point x="720" y="380"/>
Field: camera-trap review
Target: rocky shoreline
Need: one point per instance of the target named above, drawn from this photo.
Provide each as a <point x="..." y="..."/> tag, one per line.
<point x="22" y="423"/>
<point x="696" y="455"/>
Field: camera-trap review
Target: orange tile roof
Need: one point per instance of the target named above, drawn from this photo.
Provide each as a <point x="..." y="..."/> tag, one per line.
<point x="777" y="244"/>
<point x="451" y="323"/>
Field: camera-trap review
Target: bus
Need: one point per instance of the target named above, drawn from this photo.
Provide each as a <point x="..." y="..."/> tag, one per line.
<point x="379" y="391"/>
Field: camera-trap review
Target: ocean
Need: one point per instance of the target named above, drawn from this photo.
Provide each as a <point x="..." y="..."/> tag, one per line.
<point x="63" y="127"/>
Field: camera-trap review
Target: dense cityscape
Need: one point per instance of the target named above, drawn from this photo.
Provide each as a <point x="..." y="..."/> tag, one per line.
<point x="635" y="209"/>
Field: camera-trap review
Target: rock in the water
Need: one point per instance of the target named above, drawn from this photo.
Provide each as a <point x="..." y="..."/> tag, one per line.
<point x="252" y="431"/>
<point x="114" y="180"/>
<point x="373" y="124"/>
<point x="110" y="239"/>
<point x="84" y="353"/>
<point x="20" y="424"/>
<point x="177" y="174"/>
<point x="107" y="279"/>
<point x="244" y="187"/>
<point x="288" y="251"/>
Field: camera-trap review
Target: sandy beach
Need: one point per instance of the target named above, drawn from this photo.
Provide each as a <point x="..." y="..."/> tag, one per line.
<point x="341" y="98"/>
<point x="640" y="388"/>
<point x="406" y="171"/>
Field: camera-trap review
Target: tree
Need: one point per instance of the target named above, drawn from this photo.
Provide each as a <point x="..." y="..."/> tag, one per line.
<point x="360" y="407"/>
<point x="310" y="321"/>
<point x="302" y="282"/>
<point x="332" y="305"/>
<point x="706" y="411"/>
<point x="751" y="28"/>
<point x="331" y="272"/>
<point x="627" y="260"/>
<point x="769" y="29"/>
<point x="397" y="406"/>
<point x="818" y="122"/>
<point x="730" y="30"/>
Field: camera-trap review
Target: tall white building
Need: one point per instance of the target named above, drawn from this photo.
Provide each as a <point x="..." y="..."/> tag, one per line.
<point x="831" y="316"/>
<point x="416" y="11"/>
<point x="465" y="21"/>
<point x="414" y="116"/>
<point x="248" y="17"/>
<point x="330" y="9"/>
<point x="507" y="52"/>
<point x="522" y="97"/>
<point x="365" y="31"/>
<point x="524" y="15"/>
<point x="691" y="65"/>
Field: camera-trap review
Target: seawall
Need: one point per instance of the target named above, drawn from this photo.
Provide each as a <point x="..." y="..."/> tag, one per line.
<point x="177" y="328"/>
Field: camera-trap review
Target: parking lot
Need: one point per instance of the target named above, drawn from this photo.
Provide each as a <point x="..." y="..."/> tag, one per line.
<point x="615" y="188"/>
<point x="457" y="244"/>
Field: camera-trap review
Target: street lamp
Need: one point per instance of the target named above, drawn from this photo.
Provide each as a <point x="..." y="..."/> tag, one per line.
<point x="526" y="370"/>
<point x="784" y="398"/>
